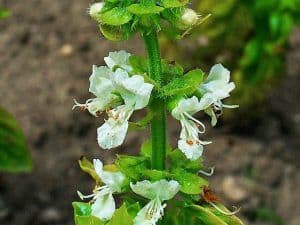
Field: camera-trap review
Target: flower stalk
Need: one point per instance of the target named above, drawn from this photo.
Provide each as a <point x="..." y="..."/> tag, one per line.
<point x="157" y="105"/>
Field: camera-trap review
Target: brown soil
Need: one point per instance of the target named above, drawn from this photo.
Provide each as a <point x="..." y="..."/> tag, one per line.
<point x="47" y="49"/>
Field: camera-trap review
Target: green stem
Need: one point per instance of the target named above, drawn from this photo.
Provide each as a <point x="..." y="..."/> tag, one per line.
<point x="157" y="105"/>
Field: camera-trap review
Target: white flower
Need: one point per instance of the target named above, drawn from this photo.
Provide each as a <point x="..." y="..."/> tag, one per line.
<point x="118" y="60"/>
<point x="189" y="142"/>
<point x="189" y="17"/>
<point x="103" y="203"/>
<point x="102" y="87"/>
<point x="135" y="94"/>
<point x="118" y="94"/>
<point x="133" y="89"/>
<point x="112" y="133"/>
<point x="216" y="87"/>
<point x="95" y="9"/>
<point x="157" y="192"/>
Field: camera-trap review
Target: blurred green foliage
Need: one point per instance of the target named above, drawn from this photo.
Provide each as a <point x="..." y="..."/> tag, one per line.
<point x="265" y="214"/>
<point x="14" y="154"/>
<point x="248" y="36"/>
<point x="4" y="13"/>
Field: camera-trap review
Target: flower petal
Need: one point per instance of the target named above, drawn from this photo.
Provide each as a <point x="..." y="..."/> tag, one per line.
<point x="98" y="166"/>
<point x="190" y="106"/>
<point x="113" y="180"/>
<point x="112" y="133"/>
<point x="100" y="83"/>
<point x="118" y="59"/>
<point x="104" y="205"/>
<point x="192" y="151"/>
<point x="150" y="213"/>
<point x="133" y="89"/>
<point x="220" y="73"/>
<point x="162" y="189"/>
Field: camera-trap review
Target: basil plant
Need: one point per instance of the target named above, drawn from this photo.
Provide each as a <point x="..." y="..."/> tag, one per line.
<point x="161" y="185"/>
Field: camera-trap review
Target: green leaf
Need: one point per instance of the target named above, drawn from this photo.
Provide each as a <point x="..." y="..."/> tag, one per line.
<point x="132" y="166"/>
<point x="174" y="3"/>
<point x="88" y="167"/>
<point x="121" y="217"/>
<point x="185" y="85"/>
<point x="116" y="17"/>
<point x="4" y="13"/>
<point x="206" y="216"/>
<point x="142" y="9"/>
<point x="82" y="214"/>
<point x="179" y="160"/>
<point x="14" y="153"/>
<point x="189" y="183"/>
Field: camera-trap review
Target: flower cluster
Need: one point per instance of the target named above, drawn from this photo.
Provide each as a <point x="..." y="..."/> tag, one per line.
<point x="119" y="21"/>
<point x="118" y="93"/>
<point x="212" y="91"/>
<point x="103" y="204"/>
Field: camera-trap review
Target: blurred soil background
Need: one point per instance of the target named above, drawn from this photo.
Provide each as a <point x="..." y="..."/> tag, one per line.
<point x="46" y="52"/>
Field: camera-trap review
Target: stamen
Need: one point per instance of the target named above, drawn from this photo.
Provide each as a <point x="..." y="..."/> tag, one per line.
<point x="81" y="106"/>
<point x="236" y="210"/>
<point x="82" y="197"/>
<point x="210" y="173"/>
<point x="196" y="121"/>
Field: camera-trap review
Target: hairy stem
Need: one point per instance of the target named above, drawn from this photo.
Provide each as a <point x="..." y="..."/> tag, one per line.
<point x="157" y="105"/>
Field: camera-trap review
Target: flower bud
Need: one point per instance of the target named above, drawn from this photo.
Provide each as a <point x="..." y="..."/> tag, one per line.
<point x="189" y="17"/>
<point x="95" y="9"/>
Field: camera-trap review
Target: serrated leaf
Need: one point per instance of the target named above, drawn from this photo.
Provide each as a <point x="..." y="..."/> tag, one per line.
<point x="174" y="3"/>
<point x="142" y="9"/>
<point x="82" y="214"/>
<point x="189" y="183"/>
<point x="121" y="217"/>
<point x="185" y="85"/>
<point x="14" y="152"/>
<point x="206" y="216"/>
<point x="116" y="17"/>
<point x="132" y="166"/>
<point x="179" y="160"/>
